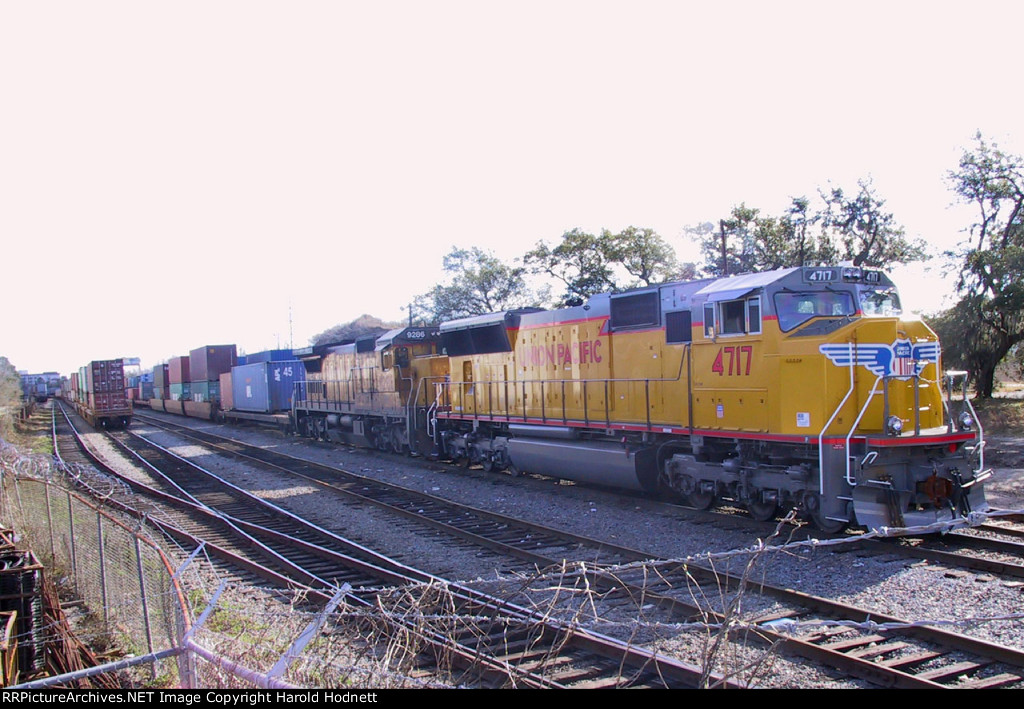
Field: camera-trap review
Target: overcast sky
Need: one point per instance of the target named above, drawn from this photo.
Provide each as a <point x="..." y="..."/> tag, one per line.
<point x="187" y="173"/>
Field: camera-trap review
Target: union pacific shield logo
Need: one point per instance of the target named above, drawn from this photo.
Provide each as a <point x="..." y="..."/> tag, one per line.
<point x="900" y="359"/>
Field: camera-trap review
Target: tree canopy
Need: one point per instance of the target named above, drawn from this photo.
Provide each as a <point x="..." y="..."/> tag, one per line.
<point x="578" y="262"/>
<point x="991" y="280"/>
<point x="479" y="283"/>
<point x="854" y="228"/>
<point x="586" y="264"/>
<point x="361" y="326"/>
<point x="10" y="394"/>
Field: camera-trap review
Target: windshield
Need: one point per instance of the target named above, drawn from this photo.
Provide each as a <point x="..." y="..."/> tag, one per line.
<point x="794" y="309"/>
<point x="880" y="302"/>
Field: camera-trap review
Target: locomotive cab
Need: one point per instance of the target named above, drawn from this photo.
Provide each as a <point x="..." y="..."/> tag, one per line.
<point x="858" y="430"/>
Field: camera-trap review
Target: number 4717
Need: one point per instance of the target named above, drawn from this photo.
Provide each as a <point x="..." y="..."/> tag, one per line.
<point x="732" y="357"/>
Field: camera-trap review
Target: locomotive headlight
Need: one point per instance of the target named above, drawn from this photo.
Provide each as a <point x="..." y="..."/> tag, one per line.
<point x="966" y="421"/>
<point x="894" y="425"/>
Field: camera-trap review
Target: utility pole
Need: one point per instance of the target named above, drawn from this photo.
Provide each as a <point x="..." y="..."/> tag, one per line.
<point x="725" y="260"/>
<point x="291" y="337"/>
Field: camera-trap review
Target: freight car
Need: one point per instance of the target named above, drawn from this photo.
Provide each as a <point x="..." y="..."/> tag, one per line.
<point x="39" y="387"/>
<point x="799" y="388"/>
<point x="262" y="391"/>
<point x="99" y="394"/>
<point x="257" y="388"/>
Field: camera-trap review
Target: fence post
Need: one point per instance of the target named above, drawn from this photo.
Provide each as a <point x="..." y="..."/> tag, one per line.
<point x="103" y="569"/>
<point x="71" y="530"/>
<point x="186" y="660"/>
<point x="142" y="593"/>
<point x="49" y="523"/>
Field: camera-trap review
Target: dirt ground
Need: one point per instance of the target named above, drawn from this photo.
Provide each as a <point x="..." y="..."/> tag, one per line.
<point x="1006" y="458"/>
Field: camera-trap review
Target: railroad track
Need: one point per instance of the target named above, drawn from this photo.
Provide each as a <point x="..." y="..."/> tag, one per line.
<point x="532" y="543"/>
<point x="882" y="649"/>
<point x="520" y="648"/>
<point x="893" y="661"/>
<point x="537" y="544"/>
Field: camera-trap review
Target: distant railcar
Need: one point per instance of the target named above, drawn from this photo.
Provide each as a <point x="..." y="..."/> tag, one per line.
<point x="101" y="394"/>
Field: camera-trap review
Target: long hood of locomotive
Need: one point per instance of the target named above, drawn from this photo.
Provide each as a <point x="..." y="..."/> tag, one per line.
<point x="569" y="369"/>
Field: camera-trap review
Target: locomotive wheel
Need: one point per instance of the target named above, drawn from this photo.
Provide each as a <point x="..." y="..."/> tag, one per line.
<point x="828" y="526"/>
<point x="397" y="445"/>
<point x="702" y="500"/>
<point x="762" y="511"/>
<point x="487" y="463"/>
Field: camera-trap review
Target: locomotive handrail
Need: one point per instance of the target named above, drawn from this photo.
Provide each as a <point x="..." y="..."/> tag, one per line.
<point x="432" y="407"/>
<point x="856" y="423"/>
<point x="980" y="447"/>
<point x="917" y="399"/>
<point x="821" y="436"/>
<point x="606" y="382"/>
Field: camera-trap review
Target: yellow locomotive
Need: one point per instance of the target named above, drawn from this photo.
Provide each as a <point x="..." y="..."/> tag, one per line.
<point x="802" y="387"/>
<point x="374" y="392"/>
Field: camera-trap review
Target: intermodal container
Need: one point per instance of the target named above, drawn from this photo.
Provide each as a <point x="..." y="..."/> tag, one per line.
<point x="265" y="387"/>
<point x="161" y="380"/>
<point x="227" y="399"/>
<point x="105" y="387"/>
<point x="269" y="356"/>
<point x="207" y="363"/>
<point x="181" y="391"/>
<point x="205" y="391"/>
<point x="178" y="371"/>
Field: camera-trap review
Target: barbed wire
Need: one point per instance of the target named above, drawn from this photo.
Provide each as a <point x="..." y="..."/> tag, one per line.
<point x="432" y="607"/>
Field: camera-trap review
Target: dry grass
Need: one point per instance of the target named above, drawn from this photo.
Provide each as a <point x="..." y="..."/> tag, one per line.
<point x="1001" y="416"/>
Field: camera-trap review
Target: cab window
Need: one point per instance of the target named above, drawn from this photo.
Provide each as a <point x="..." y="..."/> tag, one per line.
<point x="880" y="302"/>
<point x="736" y="317"/>
<point x="794" y="309"/>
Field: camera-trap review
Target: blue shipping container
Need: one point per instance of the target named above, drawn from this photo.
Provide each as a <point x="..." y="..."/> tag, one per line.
<point x="269" y="356"/>
<point x="266" y="387"/>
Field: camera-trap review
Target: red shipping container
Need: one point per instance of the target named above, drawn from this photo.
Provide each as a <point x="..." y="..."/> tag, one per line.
<point x="178" y="370"/>
<point x="105" y="386"/>
<point x="208" y="363"/>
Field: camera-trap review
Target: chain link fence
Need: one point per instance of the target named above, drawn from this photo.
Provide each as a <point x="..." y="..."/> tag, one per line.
<point x="126" y="596"/>
<point x="136" y="594"/>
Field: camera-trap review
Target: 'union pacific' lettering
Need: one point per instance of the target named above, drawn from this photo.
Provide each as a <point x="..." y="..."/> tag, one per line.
<point x="586" y="352"/>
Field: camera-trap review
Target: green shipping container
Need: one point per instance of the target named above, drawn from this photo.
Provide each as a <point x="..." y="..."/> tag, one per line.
<point x="206" y="391"/>
<point x="181" y="392"/>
